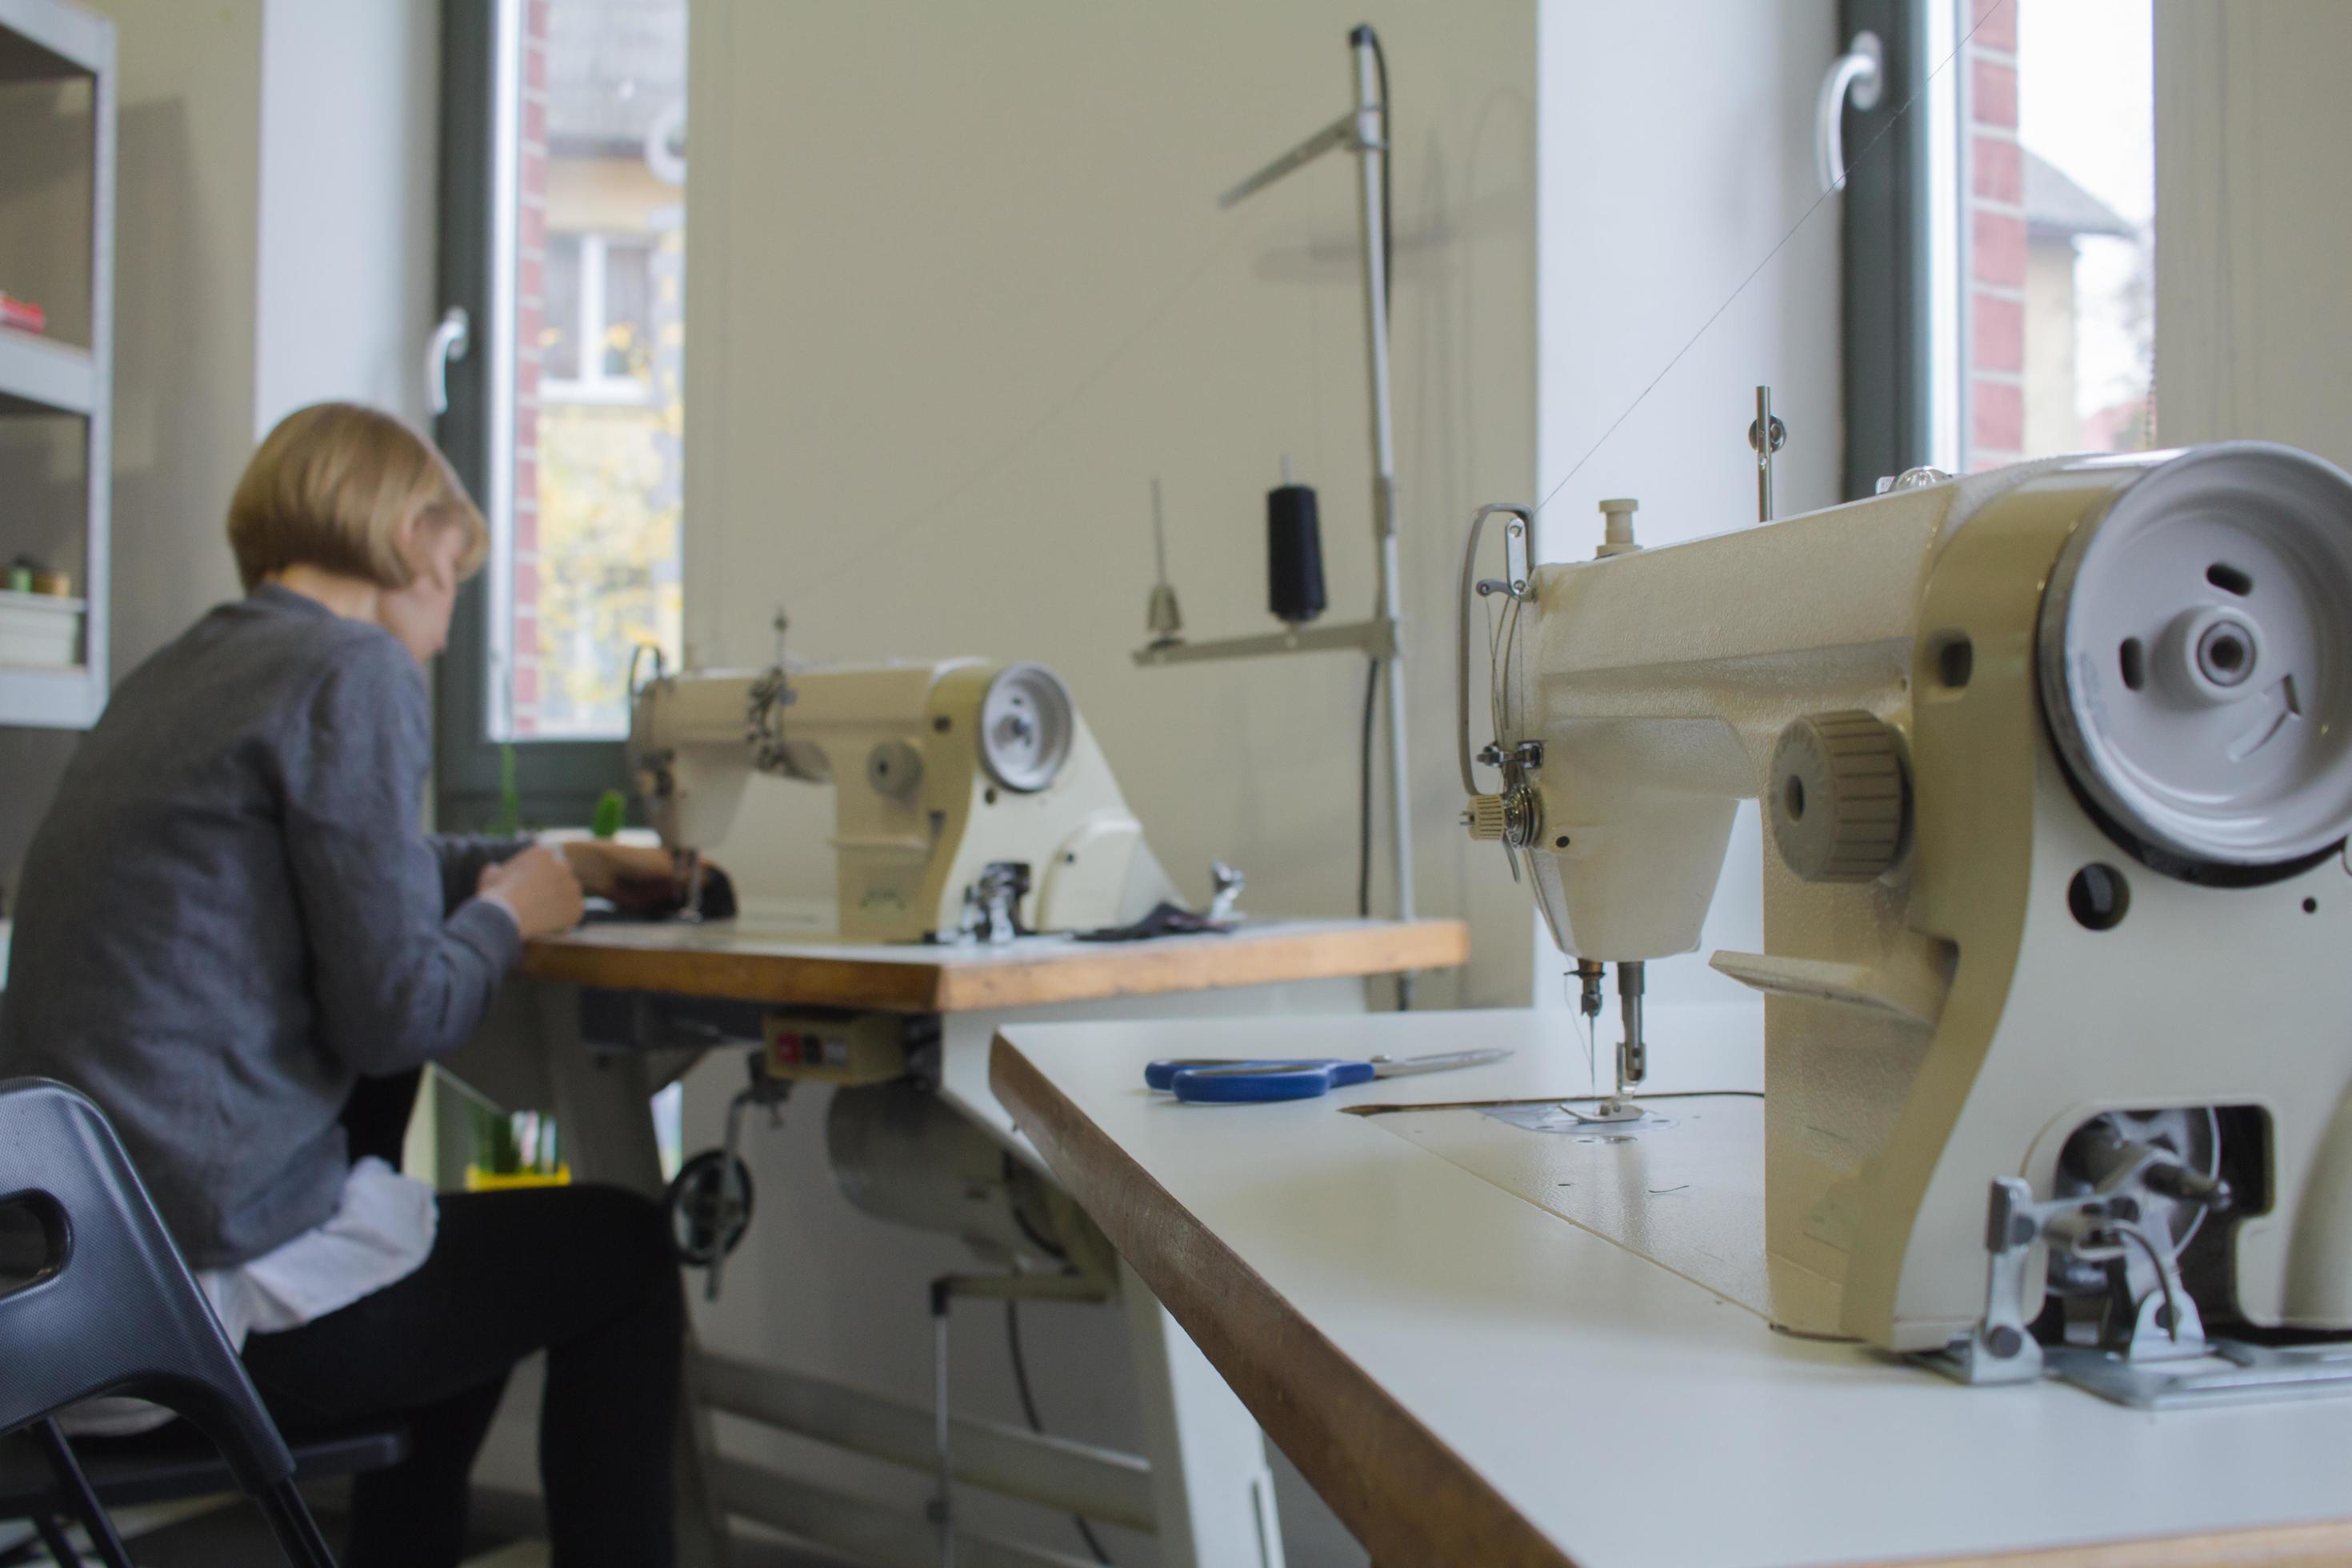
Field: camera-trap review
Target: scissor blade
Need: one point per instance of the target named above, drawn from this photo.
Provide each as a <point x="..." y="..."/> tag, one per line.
<point x="1438" y="1062"/>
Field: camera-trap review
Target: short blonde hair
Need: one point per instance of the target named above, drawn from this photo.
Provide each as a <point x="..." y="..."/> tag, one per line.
<point x="334" y="486"/>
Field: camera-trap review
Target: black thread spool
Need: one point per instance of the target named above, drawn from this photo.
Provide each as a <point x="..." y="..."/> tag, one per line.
<point x="1294" y="552"/>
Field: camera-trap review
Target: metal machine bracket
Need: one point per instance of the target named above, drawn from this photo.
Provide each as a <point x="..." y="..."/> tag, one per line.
<point x="991" y="904"/>
<point x="2170" y="1364"/>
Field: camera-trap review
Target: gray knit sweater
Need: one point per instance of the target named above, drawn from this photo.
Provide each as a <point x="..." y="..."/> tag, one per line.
<point x="229" y="915"/>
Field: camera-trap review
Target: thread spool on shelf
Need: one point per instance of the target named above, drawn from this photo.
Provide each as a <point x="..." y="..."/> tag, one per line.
<point x="1293" y="552"/>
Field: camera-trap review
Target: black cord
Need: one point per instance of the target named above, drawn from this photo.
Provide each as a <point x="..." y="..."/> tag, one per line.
<point x="1029" y="1414"/>
<point x="1388" y="312"/>
<point x="1388" y="166"/>
<point x="1364" y="816"/>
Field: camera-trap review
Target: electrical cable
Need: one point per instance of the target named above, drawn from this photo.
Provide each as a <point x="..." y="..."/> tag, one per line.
<point x="1029" y="1414"/>
<point x="1388" y="315"/>
<point x="1364" y="794"/>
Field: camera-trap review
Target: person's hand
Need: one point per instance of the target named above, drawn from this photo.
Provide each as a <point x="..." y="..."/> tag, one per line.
<point x="537" y="889"/>
<point x="640" y="879"/>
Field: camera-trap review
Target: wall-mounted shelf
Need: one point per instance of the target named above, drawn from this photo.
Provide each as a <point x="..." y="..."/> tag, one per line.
<point x="55" y="40"/>
<point x="42" y="40"/>
<point x="37" y="376"/>
<point x="48" y="698"/>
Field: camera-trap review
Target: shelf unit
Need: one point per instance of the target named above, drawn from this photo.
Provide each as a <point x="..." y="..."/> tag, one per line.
<point x="54" y="40"/>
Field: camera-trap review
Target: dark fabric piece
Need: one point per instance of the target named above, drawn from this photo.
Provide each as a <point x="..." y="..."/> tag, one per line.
<point x="375" y="1117"/>
<point x="1165" y="919"/>
<point x="228" y="916"/>
<point x="584" y="1272"/>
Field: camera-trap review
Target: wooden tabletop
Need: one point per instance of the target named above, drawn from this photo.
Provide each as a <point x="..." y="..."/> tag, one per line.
<point x="738" y="962"/>
<point x="1469" y="1377"/>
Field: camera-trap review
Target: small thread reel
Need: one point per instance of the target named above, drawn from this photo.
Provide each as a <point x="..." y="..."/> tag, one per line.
<point x="1293" y="552"/>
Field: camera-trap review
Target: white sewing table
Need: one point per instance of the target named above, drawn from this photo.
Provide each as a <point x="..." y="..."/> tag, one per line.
<point x="548" y="1044"/>
<point x="1470" y="1378"/>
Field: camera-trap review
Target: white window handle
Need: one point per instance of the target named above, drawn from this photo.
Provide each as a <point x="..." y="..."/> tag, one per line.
<point x="1861" y="71"/>
<point x="450" y="341"/>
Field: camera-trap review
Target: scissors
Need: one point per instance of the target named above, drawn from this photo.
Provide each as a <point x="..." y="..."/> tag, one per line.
<point x="1234" y="1081"/>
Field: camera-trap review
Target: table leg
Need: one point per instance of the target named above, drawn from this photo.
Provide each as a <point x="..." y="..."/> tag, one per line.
<point x="602" y="1111"/>
<point x="1211" y="1490"/>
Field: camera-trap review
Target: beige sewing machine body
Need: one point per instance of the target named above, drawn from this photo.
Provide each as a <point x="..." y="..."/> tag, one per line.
<point x="971" y="798"/>
<point x="2057" y="766"/>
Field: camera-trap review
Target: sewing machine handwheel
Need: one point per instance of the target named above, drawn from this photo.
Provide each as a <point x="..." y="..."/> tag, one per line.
<point x="710" y="1207"/>
<point x="2192" y="654"/>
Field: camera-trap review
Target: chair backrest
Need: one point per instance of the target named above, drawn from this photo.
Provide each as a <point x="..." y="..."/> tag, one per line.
<point x="112" y="1308"/>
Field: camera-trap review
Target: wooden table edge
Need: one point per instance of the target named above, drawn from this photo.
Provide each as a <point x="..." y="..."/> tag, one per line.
<point x="910" y="985"/>
<point x="1280" y="1366"/>
<point x="1285" y="1371"/>
<point x="929" y="982"/>
<point x="1273" y="957"/>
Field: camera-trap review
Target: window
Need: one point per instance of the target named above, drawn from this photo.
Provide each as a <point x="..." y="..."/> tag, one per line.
<point x="589" y="563"/>
<point x="564" y="239"/>
<point x="2060" y="183"/>
<point x="2000" y="244"/>
<point x="596" y="345"/>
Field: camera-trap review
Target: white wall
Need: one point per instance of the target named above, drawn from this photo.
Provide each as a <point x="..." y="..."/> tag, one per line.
<point x="957" y="290"/>
<point x="2254" y="222"/>
<point x="1674" y="151"/>
<point x="349" y="127"/>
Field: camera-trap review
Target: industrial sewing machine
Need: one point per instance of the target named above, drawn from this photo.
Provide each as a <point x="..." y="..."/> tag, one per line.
<point x="2056" y="765"/>
<point x="970" y="799"/>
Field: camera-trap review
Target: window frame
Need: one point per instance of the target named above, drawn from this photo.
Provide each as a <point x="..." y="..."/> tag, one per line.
<point x="557" y="781"/>
<point x="592" y="320"/>
<point x="1903" y="248"/>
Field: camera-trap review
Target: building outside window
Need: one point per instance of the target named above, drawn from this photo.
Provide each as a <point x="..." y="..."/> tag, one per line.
<point x="2058" y="182"/>
<point x="589" y="573"/>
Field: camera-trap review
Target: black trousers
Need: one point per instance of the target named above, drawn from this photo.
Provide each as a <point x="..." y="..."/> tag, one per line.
<point x="584" y="1273"/>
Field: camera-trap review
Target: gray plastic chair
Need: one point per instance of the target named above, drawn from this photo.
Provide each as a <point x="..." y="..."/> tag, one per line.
<point x="110" y="1308"/>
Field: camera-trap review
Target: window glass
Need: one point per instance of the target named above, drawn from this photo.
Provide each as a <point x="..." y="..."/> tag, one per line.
<point x="587" y="459"/>
<point x="627" y="328"/>
<point x="559" y="337"/>
<point x="2058" y="187"/>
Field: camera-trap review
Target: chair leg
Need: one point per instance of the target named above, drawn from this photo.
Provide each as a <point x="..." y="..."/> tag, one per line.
<point x="69" y="1472"/>
<point x="53" y="1536"/>
<point x="296" y="1532"/>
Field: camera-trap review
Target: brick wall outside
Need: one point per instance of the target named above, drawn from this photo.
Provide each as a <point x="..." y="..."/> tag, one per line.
<point x="530" y="268"/>
<point x="1994" y="221"/>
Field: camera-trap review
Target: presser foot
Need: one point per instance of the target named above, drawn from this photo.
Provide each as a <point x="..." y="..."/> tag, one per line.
<point x="1616" y="1113"/>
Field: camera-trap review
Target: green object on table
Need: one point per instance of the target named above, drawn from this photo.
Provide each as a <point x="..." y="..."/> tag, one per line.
<point x="509" y="818"/>
<point x="20" y="580"/>
<point x="521" y="1142"/>
<point x="496" y="1148"/>
<point x="612" y="811"/>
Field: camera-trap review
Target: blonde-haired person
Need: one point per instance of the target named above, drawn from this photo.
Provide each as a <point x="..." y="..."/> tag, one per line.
<point x="233" y="936"/>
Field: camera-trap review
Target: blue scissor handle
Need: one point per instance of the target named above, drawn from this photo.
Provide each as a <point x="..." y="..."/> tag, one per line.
<point x="1235" y="1083"/>
<point x="1162" y="1074"/>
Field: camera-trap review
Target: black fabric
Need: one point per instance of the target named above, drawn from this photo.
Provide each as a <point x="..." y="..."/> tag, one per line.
<point x="375" y="1117"/>
<point x="1165" y="919"/>
<point x="584" y="1272"/>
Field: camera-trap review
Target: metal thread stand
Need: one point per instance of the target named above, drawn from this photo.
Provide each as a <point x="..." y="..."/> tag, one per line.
<point x="1078" y="1285"/>
<point x="1363" y="130"/>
